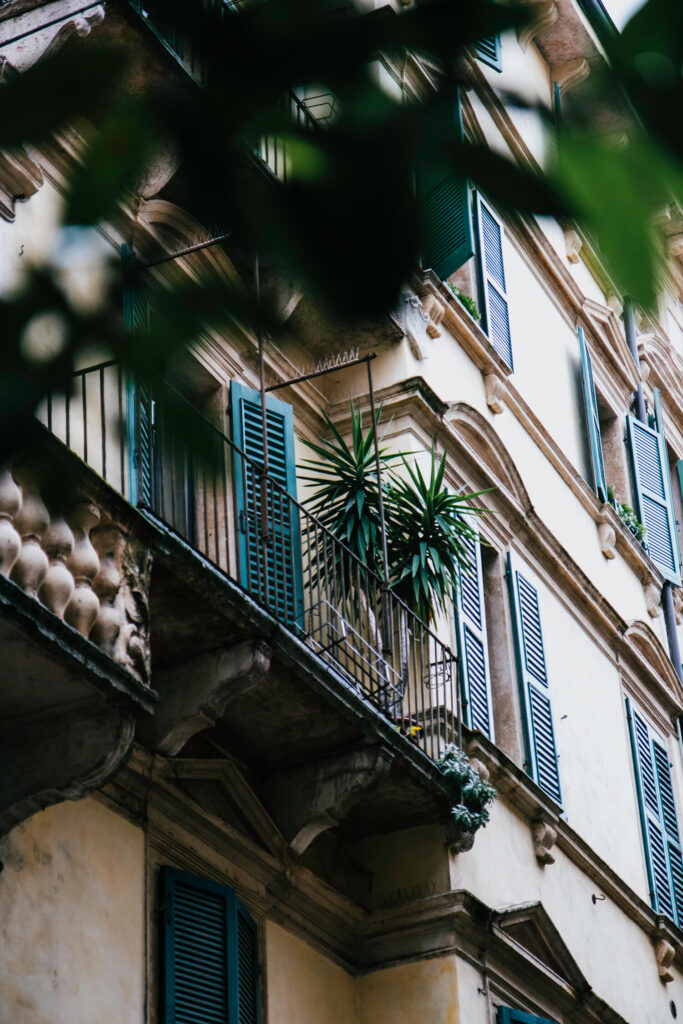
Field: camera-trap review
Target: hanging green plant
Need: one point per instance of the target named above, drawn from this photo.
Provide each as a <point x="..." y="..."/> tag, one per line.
<point x="475" y="794"/>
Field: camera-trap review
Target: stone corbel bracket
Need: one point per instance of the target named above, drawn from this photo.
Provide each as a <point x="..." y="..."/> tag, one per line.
<point x="495" y="388"/>
<point x="606" y="532"/>
<point x="653" y="598"/>
<point x="644" y="355"/>
<point x="665" y="954"/>
<point x="544" y="14"/>
<point x="415" y="324"/>
<point x="60" y="757"/>
<point x="434" y="310"/>
<point x="311" y="798"/>
<point x="20" y="178"/>
<point x="196" y="694"/>
<point x="544" y="836"/>
<point x="570" y="73"/>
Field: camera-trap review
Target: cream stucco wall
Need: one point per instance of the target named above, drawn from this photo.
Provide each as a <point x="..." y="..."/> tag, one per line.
<point x="303" y="985"/>
<point x="72" y="905"/>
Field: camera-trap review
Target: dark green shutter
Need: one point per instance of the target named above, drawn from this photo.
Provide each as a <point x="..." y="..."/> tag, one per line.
<point x="489" y="52"/>
<point x="472" y="642"/>
<point x="210" y="953"/>
<point x="557" y="105"/>
<point x="492" y="280"/>
<point x="592" y="420"/>
<point x="139" y="401"/>
<point x="244" y="969"/>
<point x="658" y="818"/>
<point x="650" y="467"/>
<point x="443" y="194"/>
<point x="533" y="677"/>
<point x="274" y="580"/>
<point x="506" y="1015"/>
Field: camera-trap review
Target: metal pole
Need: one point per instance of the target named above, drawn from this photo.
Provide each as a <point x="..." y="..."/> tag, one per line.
<point x="197" y="247"/>
<point x="671" y="630"/>
<point x="387" y="633"/>
<point x="630" y="325"/>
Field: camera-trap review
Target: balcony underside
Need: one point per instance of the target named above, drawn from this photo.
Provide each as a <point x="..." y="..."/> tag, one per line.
<point x="296" y="715"/>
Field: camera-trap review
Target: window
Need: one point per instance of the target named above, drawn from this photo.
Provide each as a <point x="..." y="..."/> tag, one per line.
<point x="493" y="292"/>
<point x="534" y="685"/>
<point x="473" y="657"/>
<point x="658" y="818"/>
<point x="210" y="955"/>
<point x="270" y="572"/>
<point x="506" y="1015"/>
<point x="590" y="404"/>
<point x="652" y="490"/>
<point x="444" y="197"/>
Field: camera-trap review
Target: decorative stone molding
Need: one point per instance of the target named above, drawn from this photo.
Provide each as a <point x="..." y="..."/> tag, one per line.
<point x="570" y="73"/>
<point x="614" y="303"/>
<point x="415" y="323"/>
<point x="678" y="604"/>
<point x="545" y="837"/>
<point x="653" y="598"/>
<point x="644" y="343"/>
<point x="573" y="243"/>
<point x="665" y="954"/>
<point x="196" y="694"/>
<point x="496" y="390"/>
<point x="95" y="577"/>
<point x="46" y="38"/>
<point x="544" y="14"/>
<point x="606" y="532"/>
<point x="432" y="308"/>
<point x="20" y="178"/>
<point x="316" y="796"/>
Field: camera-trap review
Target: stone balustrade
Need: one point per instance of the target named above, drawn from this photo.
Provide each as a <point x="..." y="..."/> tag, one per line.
<point x="69" y="554"/>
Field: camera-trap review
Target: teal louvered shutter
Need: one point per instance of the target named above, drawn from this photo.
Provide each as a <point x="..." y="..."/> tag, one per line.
<point x="488" y="51"/>
<point x="557" y="105"/>
<point x="444" y="195"/>
<point x="139" y="401"/>
<point x="244" y="968"/>
<point x="592" y="420"/>
<point x="492" y="278"/>
<point x="472" y="642"/>
<point x="506" y="1015"/>
<point x="658" y="818"/>
<point x="534" y="685"/>
<point x="210" y="953"/>
<point x="273" y="578"/>
<point x="650" y="467"/>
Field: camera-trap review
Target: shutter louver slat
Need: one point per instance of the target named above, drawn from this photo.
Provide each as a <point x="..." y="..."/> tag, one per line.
<point x="590" y="404"/>
<point x="666" y="792"/>
<point x="472" y="641"/>
<point x="534" y="685"/>
<point x="496" y="316"/>
<point x="649" y="464"/>
<point x="276" y="583"/>
<point x="676" y="865"/>
<point x="489" y="52"/>
<point x="247" y="968"/>
<point x="444" y="196"/>
<point x="136" y="315"/>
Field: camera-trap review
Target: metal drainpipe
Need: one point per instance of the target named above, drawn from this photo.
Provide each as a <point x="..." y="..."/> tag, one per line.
<point x="667" y="594"/>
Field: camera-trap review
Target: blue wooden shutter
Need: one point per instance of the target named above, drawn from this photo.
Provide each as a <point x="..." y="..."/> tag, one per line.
<point x="444" y="195"/>
<point x="489" y="52"/>
<point x="210" y="953"/>
<point x="472" y="641"/>
<point x="506" y="1015"/>
<point x="275" y="580"/>
<point x="658" y="818"/>
<point x="139" y="401"/>
<point x="244" y="968"/>
<point x="492" y="278"/>
<point x="592" y="420"/>
<point x="533" y="677"/>
<point x="650" y="467"/>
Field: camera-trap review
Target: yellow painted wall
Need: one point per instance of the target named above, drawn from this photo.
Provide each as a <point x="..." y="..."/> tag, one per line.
<point x="425" y="992"/>
<point x="305" y="987"/>
<point x="72" y="905"/>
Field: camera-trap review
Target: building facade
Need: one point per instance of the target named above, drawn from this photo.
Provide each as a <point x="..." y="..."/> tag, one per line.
<point x="220" y="792"/>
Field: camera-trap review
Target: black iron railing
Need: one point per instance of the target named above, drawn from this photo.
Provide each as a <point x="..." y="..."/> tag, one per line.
<point x="215" y="496"/>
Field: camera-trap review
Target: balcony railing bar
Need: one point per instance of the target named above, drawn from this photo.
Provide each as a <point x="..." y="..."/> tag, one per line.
<point x="300" y="572"/>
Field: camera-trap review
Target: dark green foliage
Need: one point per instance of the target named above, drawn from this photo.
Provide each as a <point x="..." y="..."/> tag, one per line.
<point x="475" y="794"/>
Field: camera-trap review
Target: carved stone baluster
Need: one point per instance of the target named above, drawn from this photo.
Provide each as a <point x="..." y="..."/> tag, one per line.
<point x="10" y="539"/>
<point x="58" y="585"/>
<point x="83" y="563"/>
<point x="31" y="522"/>
<point x="108" y="540"/>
